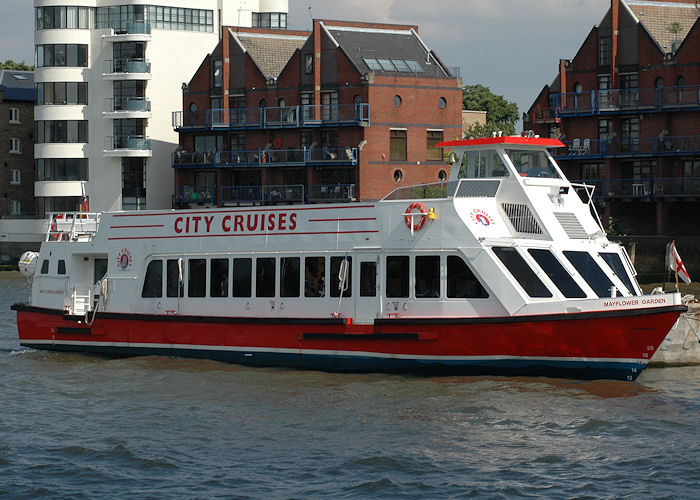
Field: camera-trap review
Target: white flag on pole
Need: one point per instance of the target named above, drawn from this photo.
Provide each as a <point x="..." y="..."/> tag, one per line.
<point x="676" y="264"/>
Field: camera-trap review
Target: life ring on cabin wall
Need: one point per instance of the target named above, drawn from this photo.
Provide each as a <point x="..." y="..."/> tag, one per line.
<point x="277" y="143"/>
<point x="410" y="220"/>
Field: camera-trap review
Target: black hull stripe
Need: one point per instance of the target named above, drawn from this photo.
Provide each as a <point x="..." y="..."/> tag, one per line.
<point x="379" y="322"/>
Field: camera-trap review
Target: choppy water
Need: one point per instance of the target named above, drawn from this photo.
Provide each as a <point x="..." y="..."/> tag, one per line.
<point x="80" y="426"/>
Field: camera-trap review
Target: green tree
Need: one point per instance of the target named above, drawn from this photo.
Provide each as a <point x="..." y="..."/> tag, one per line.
<point x="501" y="115"/>
<point x="15" y="66"/>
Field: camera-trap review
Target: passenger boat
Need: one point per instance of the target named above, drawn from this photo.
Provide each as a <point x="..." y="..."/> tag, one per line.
<point x="502" y="269"/>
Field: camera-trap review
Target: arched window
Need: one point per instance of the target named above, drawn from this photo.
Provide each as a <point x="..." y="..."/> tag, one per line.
<point x="681" y="81"/>
<point x="263" y="103"/>
<point x="578" y="87"/>
<point x="659" y="83"/>
<point x="282" y="102"/>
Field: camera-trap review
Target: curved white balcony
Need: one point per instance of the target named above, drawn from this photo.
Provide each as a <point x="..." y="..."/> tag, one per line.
<point x="128" y="146"/>
<point x="127" y="107"/>
<point x="131" y="31"/>
<point x="126" y="69"/>
<point x="60" y="150"/>
<point x="54" y="189"/>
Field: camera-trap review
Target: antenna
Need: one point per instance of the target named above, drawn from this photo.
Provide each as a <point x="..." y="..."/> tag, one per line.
<point x="311" y="15"/>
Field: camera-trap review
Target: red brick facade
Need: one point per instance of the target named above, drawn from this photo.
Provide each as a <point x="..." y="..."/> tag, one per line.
<point x="308" y="128"/>
<point x="628" y="108"/>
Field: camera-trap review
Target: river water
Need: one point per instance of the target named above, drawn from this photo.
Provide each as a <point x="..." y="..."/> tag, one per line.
<point x="150" y="427"/>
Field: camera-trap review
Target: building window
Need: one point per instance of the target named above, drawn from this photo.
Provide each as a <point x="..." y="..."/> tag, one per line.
<point x="14" y="115"/>
<point x="604" y="93"/>
<point x="604" y="53"/>
<point x="442" y="175"/>
<point x="15" y="176"/>
<point x="308" y="63"/>
<point x="433" y="137"/>
<point x="70" y="17"/>
<point x="133" y="184"/>
<point x="397" y="145"/>
<point x="61" y="131"/>
<point x="15" y="207"/>
<point x="592" y="171"/>
<point x="61" y="54"/>
<point x="14" y="146"/>
<point x="62" y="169"/>
<point x="272" y="20"/>
<point x="122" y="18"/>
<point x="397" y="101"/>
<point x="329" y="101"/>
<point x="659" y="83"/>
<point x="398" y="175"/>
<point x="681" y="81"/>
<point x="578" y="87"/>
<point x="442" y="103"/>
<point x="62" y="93"/>
<point x="604" y="129"/>
<point x="629" y="134"/>
<point x="218" y="75"/>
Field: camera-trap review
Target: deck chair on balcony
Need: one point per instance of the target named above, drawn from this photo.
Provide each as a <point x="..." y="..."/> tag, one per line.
<point x="575" y="147"/>
<point x="586" y="147"/>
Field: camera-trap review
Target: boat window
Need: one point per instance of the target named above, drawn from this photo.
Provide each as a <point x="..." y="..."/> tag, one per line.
<point x="594" y="275"/>
<point x="427" y="276"/>
<point x="61" y="268"/>
<point x="290" y="268"/>
<point x="197" y="278"/>
<point x="557" y="273"/>
<point x="175" y="286"/>
<point x="99" y="269"/>
<point x="615" y="262"/>
<point x="265" y="277"/>
<point x="481" y="163"/>
<point x="218" y="278"/>
<point x="315" y="276"/>
<point x="45" y="266"/>
<point x="461" y="282"/>
<point x="532" y="163"/>
<point x="242" y="277"/>
<point x="522" y="272"/>
<point x="397" y="276"/>
<point x="336" y="263"/>
<point x="368" y="279"/>
<point x="153" y="282"/>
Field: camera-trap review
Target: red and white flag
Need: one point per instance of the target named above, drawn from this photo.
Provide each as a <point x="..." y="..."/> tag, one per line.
<point x="85" y="201"/>
<point x="676" y="263"/>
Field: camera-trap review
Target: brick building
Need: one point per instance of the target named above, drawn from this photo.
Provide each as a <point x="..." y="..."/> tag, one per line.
<point x="628" y="107"/>
<point x="345" y="112"/>
<point x="17" y="139"/>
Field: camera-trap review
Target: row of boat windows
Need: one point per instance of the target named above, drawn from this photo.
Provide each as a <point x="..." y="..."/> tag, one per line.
<point x="319" y="276"/>
<point x="583" y="262"/>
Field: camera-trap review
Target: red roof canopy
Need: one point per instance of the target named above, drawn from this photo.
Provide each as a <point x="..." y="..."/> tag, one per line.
<point x="506" y="139"/>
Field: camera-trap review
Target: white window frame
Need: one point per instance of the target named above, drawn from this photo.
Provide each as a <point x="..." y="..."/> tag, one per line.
<point x="15" y="176"/>
<point x="14" y="116"/>
<point x="15" y="207"/>
<point x="15" y="146"/>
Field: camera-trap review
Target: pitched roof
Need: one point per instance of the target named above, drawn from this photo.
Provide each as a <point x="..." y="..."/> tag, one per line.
<point x="18" y="85"/>
<point x="387" y="51"/>
<point x="660" y="18"/>
<point x="270" y="52"/>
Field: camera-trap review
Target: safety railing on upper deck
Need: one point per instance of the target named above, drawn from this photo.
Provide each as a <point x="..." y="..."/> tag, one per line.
<point x="72" y="226"/>
<point x="462" y="188"/>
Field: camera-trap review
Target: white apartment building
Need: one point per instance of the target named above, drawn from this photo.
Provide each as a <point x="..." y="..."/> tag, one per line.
<point x="108" y="75"/>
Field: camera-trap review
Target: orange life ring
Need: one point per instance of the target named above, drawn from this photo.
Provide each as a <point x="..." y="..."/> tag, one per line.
<point x="277" y="143"/>
<point x="408" y="218"/>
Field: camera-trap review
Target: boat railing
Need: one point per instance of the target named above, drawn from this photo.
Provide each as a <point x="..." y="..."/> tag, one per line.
<point x="424" y="191"/>
<point x="72" y="226"/>
<point x="585" y="192"/>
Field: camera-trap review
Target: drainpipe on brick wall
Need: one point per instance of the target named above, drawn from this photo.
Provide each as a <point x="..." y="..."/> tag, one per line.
<point x="562" y="83"/>
<point x="615" y="29"/>
<point x="317" y="69"/>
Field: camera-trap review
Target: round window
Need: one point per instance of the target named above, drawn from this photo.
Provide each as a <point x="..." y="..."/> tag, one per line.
<point x="398" y="175"/>
<point x="442" y="175"/>
<point x="397" y="100"/>
<point x="442" y="102"/>
<point x="193" y="106"/>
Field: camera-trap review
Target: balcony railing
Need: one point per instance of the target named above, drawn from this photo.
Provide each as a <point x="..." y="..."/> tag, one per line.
<point x="633" y="100"/>
<point x="135" y="65"/>
<point x="264" y="195"/>
<point x="649" y="189"/>
<point x="127" y="142"/>
<point x="266" y="158"/>
<point x="273" y="117"/>
<point x="127" y="104"/>
<point x="629" y="146"/>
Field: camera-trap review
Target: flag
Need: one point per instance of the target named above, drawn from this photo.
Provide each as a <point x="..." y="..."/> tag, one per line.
<point x="675" y="263"/>
<point x="85" y="203"/>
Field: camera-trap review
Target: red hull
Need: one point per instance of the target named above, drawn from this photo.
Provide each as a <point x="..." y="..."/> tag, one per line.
<point x="588" y="340"/>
